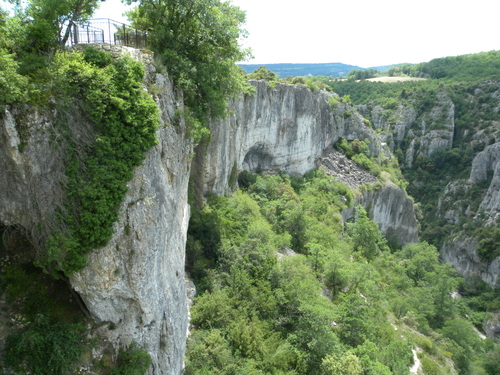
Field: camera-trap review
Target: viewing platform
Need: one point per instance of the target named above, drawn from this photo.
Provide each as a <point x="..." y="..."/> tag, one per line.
<point x="107" y="31"/>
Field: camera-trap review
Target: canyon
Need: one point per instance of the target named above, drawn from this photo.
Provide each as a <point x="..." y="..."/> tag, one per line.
<point x="137" y="282"/>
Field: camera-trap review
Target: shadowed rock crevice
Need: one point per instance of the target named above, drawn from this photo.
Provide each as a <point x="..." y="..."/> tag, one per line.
<point x="258" y="158"/>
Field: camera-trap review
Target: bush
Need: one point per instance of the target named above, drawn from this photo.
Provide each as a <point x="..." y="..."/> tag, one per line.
<point x="97" y="57"/>
<point x="45" y="347"/>
<point x="125" y="119"/>
<point x="12" y="84"/>
<point x="489" y="243"/>
<point x="132" y="361"/>
<point x="262" y="73"/>
<point x="429" y="366"/>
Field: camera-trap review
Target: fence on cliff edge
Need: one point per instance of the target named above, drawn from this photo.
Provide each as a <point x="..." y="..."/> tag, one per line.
<point x="105" y="30"/>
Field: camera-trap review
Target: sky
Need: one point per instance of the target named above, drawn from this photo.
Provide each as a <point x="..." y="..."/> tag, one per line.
<point x="365" y="33"/>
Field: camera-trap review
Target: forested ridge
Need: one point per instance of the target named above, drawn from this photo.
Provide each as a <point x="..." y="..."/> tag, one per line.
<point x="284" y="285"/>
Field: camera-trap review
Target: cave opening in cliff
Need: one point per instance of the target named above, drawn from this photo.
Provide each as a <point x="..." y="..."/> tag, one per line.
<point x="29" y="291"/>
<point x="258" y="159"/>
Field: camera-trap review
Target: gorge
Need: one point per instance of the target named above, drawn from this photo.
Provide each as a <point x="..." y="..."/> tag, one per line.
<point x="136" y="283"/>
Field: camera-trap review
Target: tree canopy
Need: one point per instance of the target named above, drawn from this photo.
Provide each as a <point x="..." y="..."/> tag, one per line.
<point x="198" y="41"/>
<point x="45" y="24"/>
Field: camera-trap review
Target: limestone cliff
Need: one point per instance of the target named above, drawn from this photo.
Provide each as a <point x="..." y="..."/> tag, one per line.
<point x="392" y="209"/>
<point x="455" y="203"/>
<point x="135" y="284"/>
<point x="289" y="127"/>
<point x="461" y="253"/>
<point x="386" y="203"/>
<point x="136" y="281"/>
<point x="424" y="131"/>
<point x="282" y="127"/>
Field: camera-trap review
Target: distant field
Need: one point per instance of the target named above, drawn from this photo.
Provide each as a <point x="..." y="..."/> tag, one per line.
<point x="395" y="79"/>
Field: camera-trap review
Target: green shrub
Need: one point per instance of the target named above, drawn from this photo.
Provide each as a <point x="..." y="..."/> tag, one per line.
<point x="262" y="73"/>
<point x="429" y="366"/>
<point x="125" y="120"/>
<point x="45" y="347"/>
<point x="12" y="84"/>
<point x="97" y="57"/>
<point x="298" y="81"/>
<point x="132" y="361"/>
<point x="489" y="243"/>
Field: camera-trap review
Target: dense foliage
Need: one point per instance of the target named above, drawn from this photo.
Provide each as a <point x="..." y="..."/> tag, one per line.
<point x="125" y="118"/>
<point x="340" y="303"/>
<point x="472" y="67"/>
<point x="51" y="335"/>
<point x="198" y="41"/>
<point x="471" y="83"/>
<point x="12" y="84"/>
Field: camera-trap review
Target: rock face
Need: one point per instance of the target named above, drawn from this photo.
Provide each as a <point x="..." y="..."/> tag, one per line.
<point x="288" y="127"/>
<point x="136" y="282"/>
<point x="392" y="209"/>
<point x="425" y="130"/>
<point x="491" y="326"/>
<point x="31" y="168"/>
<point x="285" y="127"/>
<point x="461" y="253"/>
<point x="387" y="204"/>
<point x="488" y="161"/>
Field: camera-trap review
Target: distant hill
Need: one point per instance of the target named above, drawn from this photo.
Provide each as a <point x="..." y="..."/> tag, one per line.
<point x="474" y="66"/>
<point x="385" y="68"/>
<point x="302" y="70"/>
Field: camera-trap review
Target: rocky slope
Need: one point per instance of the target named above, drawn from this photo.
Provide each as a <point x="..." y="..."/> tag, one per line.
<point x="419" y="129"/>
<point x="462" y="249"/>
<point x="423" y="131"/>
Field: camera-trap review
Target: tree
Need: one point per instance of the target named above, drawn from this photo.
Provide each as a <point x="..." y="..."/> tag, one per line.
<point x="348" y="364"/>
<point x="198" y="40"/>
<point x="48" y="23"/>
<point x="466" y="339"/>
<point x="263" y="73"/>
<point x="365" y="235"/>
<point x="420" y="259"/>
<point x="12" y="84"/>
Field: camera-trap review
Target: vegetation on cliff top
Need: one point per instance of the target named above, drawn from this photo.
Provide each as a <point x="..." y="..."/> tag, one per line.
<point x="199" y="43"/>
<point x="125" y="119"/>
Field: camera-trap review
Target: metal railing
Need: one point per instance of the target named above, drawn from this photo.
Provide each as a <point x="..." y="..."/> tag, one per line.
<point x="104" y="30"/>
